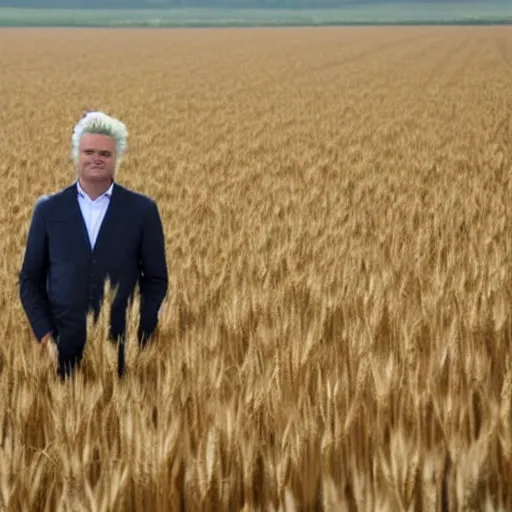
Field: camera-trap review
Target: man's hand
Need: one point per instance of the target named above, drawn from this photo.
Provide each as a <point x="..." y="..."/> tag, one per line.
<point x="48" y="346"/>
<point x="46" y="338"/>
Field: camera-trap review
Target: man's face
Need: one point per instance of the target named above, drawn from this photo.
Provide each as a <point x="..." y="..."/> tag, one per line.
<point x="97" y="157"/>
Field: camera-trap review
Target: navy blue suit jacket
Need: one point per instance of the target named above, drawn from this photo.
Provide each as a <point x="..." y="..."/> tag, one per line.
<point x="62" y="278"/>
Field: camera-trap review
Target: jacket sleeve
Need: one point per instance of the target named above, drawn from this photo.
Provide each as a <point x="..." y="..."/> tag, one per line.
<point x="153" y="282"/>
<point x="33" y="275"/>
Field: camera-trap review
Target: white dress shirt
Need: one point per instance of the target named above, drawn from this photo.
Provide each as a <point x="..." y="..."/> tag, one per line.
<point x="93" y="211"/>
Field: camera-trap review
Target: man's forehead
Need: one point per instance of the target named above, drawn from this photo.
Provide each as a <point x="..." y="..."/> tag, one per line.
<point x="97" y="141"/>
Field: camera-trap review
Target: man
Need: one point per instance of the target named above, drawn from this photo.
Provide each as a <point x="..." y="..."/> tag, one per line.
<point x="90" y="231"/>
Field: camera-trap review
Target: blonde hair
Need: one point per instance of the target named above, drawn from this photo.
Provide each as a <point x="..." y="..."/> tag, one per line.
<point x="101" y="123"/>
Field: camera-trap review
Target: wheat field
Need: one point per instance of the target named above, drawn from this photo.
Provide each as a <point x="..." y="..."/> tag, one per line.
<point x="336" y="206"/>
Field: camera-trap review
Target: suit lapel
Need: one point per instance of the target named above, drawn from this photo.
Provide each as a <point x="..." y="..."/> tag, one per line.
<point x="77" y="221"/>
<point x="111" y="219"/>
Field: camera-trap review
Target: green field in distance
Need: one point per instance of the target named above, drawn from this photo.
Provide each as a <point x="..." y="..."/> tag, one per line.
<point x="379" y="14"/>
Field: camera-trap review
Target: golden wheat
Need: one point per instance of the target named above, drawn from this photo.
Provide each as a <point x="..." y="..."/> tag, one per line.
<point x="336" y="210"/>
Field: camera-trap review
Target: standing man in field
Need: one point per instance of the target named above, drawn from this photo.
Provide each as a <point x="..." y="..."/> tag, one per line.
<point x="90" y="231"/>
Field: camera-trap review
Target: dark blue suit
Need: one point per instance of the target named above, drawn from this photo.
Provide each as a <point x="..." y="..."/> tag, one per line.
<point x="62" y="278"/>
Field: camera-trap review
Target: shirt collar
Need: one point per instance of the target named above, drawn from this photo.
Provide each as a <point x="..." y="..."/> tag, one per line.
<point x="82" y="193"/>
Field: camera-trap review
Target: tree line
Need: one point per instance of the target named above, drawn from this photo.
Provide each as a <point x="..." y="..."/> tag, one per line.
<point x="162" y="4"/>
